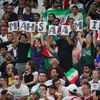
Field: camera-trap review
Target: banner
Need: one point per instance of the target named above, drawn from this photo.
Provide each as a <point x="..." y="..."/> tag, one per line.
<point x="78" y="25"/>
<point x="95" y="25"/>
<point x="42" y="26"/>
<point x="53" y="30"/>
<point x="31" y="26"/>
<point x="13" y="26"/>
<point x="61" y="14"/>
<point x="65" y="29"/>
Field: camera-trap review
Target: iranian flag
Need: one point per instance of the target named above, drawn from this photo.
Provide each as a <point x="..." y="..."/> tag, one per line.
<point x="72" y="75"/>
<point x="61" y="14"/>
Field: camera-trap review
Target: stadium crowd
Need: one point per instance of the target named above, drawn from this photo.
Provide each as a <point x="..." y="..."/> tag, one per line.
<point x="33" y="65"/>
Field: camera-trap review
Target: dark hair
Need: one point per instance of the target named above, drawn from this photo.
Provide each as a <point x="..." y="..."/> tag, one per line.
<point x="24" y="35"/>
<point x="13" y="68"/>
<point x="9" y="53"/>
<point x="55" y="80"/>
<point x="87" y="84"/>
<point x="57" y="70"/>
<point x="43" y="85"/>
<point x="57" y="19"/>
<point x="5" y="3"/>
<point x="1" y="40"/>
<point x="52" y="15"/>
<point x="87" y="65"/>
<point x="3" y="92"/>
<point x="31" y="63"/>
<point x="36" y="1"/>
<point x="44" y="72"/>
<point x="37" y="14"/>
<point x="53" y="1"/>
<point x="75" y="7"/>
<point x="38" y="40"/>
<point x="72" y="93"/>
<point x="52" y="86"/>
<point x="20" y="76"/>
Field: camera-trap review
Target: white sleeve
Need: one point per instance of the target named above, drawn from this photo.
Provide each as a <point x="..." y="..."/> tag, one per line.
<point x="35" y="73"/>
<point x="25" y="91"/>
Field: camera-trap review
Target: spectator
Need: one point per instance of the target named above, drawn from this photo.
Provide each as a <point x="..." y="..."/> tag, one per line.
<point x="20" y="9"/>
<point x="52" y="93"/>
<point x="41" y="80"/>
<point x="9" y="96"/>
<point x="3" y="35"/>
<point x="10" y="73"/>
<point x="6" y="17"/>
<point x="51" y="18"/>
<point x="92" y="11"/>
<point x="86" y="72"/>
<point x="37" y="55"/>
<point x="95" y="82"/>
<point x="56" y="21"/>
<point x="14" y="49"/>
<point x="46" y="4"/>
<point x="4" y="9"/>
<point x="3" y="84"/>
<point x="19" y="90"/>
<point x="36" y="17"/>
<point x="73" y="95"/>
<point x="37" y="8"/>
<point x="76" y="15"/>
<point x="55" y="64"/>
<point x="22" y="55"/>
<point x="30" y="76"/>
<point x="61" y="90"/>
<point x="54" y="74"/>
<point x="43" y="91"/>
<point x="13" y="16"/>
<point x="9" y="59"/>
<point x="3" y="23"/>
<point x="3" y="50"/>
<point x="3" y="93"/>
<point x="65" y="44"/>
<point x="54" y="4"/>
<point x="86" y="88"/>
<point x="88" y="46"/>
<point x="28" y="15"/>
<point x="78" y="4"/>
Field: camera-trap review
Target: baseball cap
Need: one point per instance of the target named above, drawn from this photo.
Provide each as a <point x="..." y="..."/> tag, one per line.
<point x="73" y="88"/>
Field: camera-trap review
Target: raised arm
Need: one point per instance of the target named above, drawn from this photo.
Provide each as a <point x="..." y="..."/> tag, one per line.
<point x="70" y="42"/>
<point x="31" y="41"/>
<point x="42" y="40"/>
<point x="94" y="38"/>
<point x="80" y="38"/>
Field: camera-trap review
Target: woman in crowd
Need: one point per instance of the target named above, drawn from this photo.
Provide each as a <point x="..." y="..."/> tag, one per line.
<point x="30" y="76"/>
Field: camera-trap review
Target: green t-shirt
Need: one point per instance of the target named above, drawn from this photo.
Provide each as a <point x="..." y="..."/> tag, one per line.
<point x="88" y="54"/>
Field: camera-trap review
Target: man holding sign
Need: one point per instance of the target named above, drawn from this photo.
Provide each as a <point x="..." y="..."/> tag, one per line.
<point x="65" y="47"/>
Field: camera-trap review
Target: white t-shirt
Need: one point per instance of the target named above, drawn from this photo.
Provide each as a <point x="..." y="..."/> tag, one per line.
<point x="80" y="6"/>
<point x="77" y="17"/>
<point x="49" y="82"/>
<point x="4" y="38"/>
<point x="40" y="10"/>
<point x="95" y="86"/>
<point x="71" y="97"/>
<point x="22" y="91"/>
<point x="35" y="87"/>
<point x="64" y="91"/>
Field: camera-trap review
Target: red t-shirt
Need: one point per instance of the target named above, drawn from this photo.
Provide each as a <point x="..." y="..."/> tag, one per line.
<point x="88" y="98"/>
